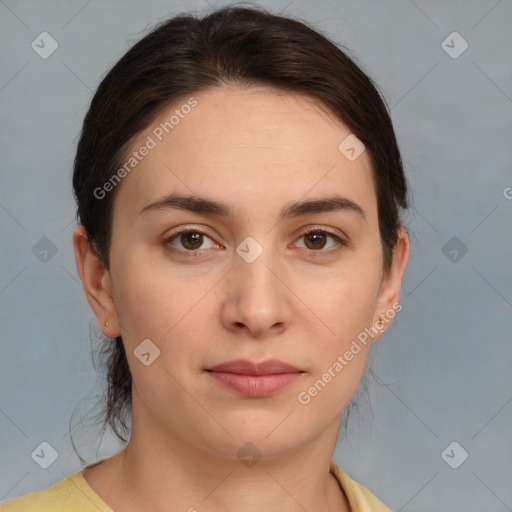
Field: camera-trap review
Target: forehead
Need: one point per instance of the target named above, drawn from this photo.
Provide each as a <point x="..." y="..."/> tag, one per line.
<point x="248" y="119"/>
<point x="249" y="147"/>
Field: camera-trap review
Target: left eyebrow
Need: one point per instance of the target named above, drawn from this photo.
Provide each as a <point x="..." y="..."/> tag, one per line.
<point x="203" y="205"/>
<point x="327" y="204"/>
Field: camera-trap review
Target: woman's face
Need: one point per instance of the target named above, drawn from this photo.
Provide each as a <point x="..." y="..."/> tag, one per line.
<point x="253" y="286"/>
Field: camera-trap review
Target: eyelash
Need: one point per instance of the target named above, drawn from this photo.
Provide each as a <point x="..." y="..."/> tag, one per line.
<point x="194" y="253"/>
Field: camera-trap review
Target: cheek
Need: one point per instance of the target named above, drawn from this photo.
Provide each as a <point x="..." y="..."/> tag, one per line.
<point x="342" y="302"/>
<point x="161" y="301"/>
<point x="170" y="309"/>
<point x="341" y="308"/>
<point x="340" y="343"/>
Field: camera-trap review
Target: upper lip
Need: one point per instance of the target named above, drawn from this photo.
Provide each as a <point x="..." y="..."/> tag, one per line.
<point x="246" y="367"/>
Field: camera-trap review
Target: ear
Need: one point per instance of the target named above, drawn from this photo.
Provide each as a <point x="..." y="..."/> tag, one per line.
<point x="389" y="294"/>
<point x="96" y="282"/>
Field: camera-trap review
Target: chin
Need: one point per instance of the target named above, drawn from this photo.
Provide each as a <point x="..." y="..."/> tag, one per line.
<point x="270" y="439"/>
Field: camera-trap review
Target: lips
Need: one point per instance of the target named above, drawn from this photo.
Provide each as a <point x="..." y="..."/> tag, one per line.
<point x="245" y="367"/>
<point x="255" y="380"/>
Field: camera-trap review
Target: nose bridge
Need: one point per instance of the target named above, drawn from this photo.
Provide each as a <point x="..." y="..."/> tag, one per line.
<point x="256" y="290"/>
<point x="256" y="260"/>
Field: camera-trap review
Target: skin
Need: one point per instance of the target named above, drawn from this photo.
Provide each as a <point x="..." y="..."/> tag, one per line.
<point x="257" y="150"/>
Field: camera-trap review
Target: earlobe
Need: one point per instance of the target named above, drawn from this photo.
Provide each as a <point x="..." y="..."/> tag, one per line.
<point x="389" y="296"/>
<point x="96" y="282"/>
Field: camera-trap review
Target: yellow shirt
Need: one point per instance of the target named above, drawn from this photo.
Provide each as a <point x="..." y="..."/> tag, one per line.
<point x="74" y="494"/>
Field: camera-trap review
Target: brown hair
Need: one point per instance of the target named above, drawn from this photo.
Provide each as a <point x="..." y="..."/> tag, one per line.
<point x="186" y="55"/>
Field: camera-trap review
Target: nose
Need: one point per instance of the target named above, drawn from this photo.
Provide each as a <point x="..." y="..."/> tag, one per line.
<point x="256" y="297"/>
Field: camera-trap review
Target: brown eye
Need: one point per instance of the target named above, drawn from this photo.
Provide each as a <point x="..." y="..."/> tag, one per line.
<point x="191" y="239"/>
<point x="317" y="239"/>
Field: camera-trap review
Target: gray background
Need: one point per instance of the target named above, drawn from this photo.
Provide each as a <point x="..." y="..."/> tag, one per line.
<point x="444" y="363"/>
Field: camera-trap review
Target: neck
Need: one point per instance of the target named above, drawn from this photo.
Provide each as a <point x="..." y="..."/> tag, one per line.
<point x="162" y="473"/>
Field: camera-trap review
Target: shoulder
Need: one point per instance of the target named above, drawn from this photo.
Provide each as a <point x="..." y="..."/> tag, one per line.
<point x="72" y="494"/>
<point x="359" y="497"/>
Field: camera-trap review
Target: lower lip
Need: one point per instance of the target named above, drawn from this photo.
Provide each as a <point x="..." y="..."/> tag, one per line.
<point x="255" y="385"/>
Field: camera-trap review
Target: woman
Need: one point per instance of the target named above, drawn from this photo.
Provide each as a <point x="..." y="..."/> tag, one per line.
<point x="238" y="185"/>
